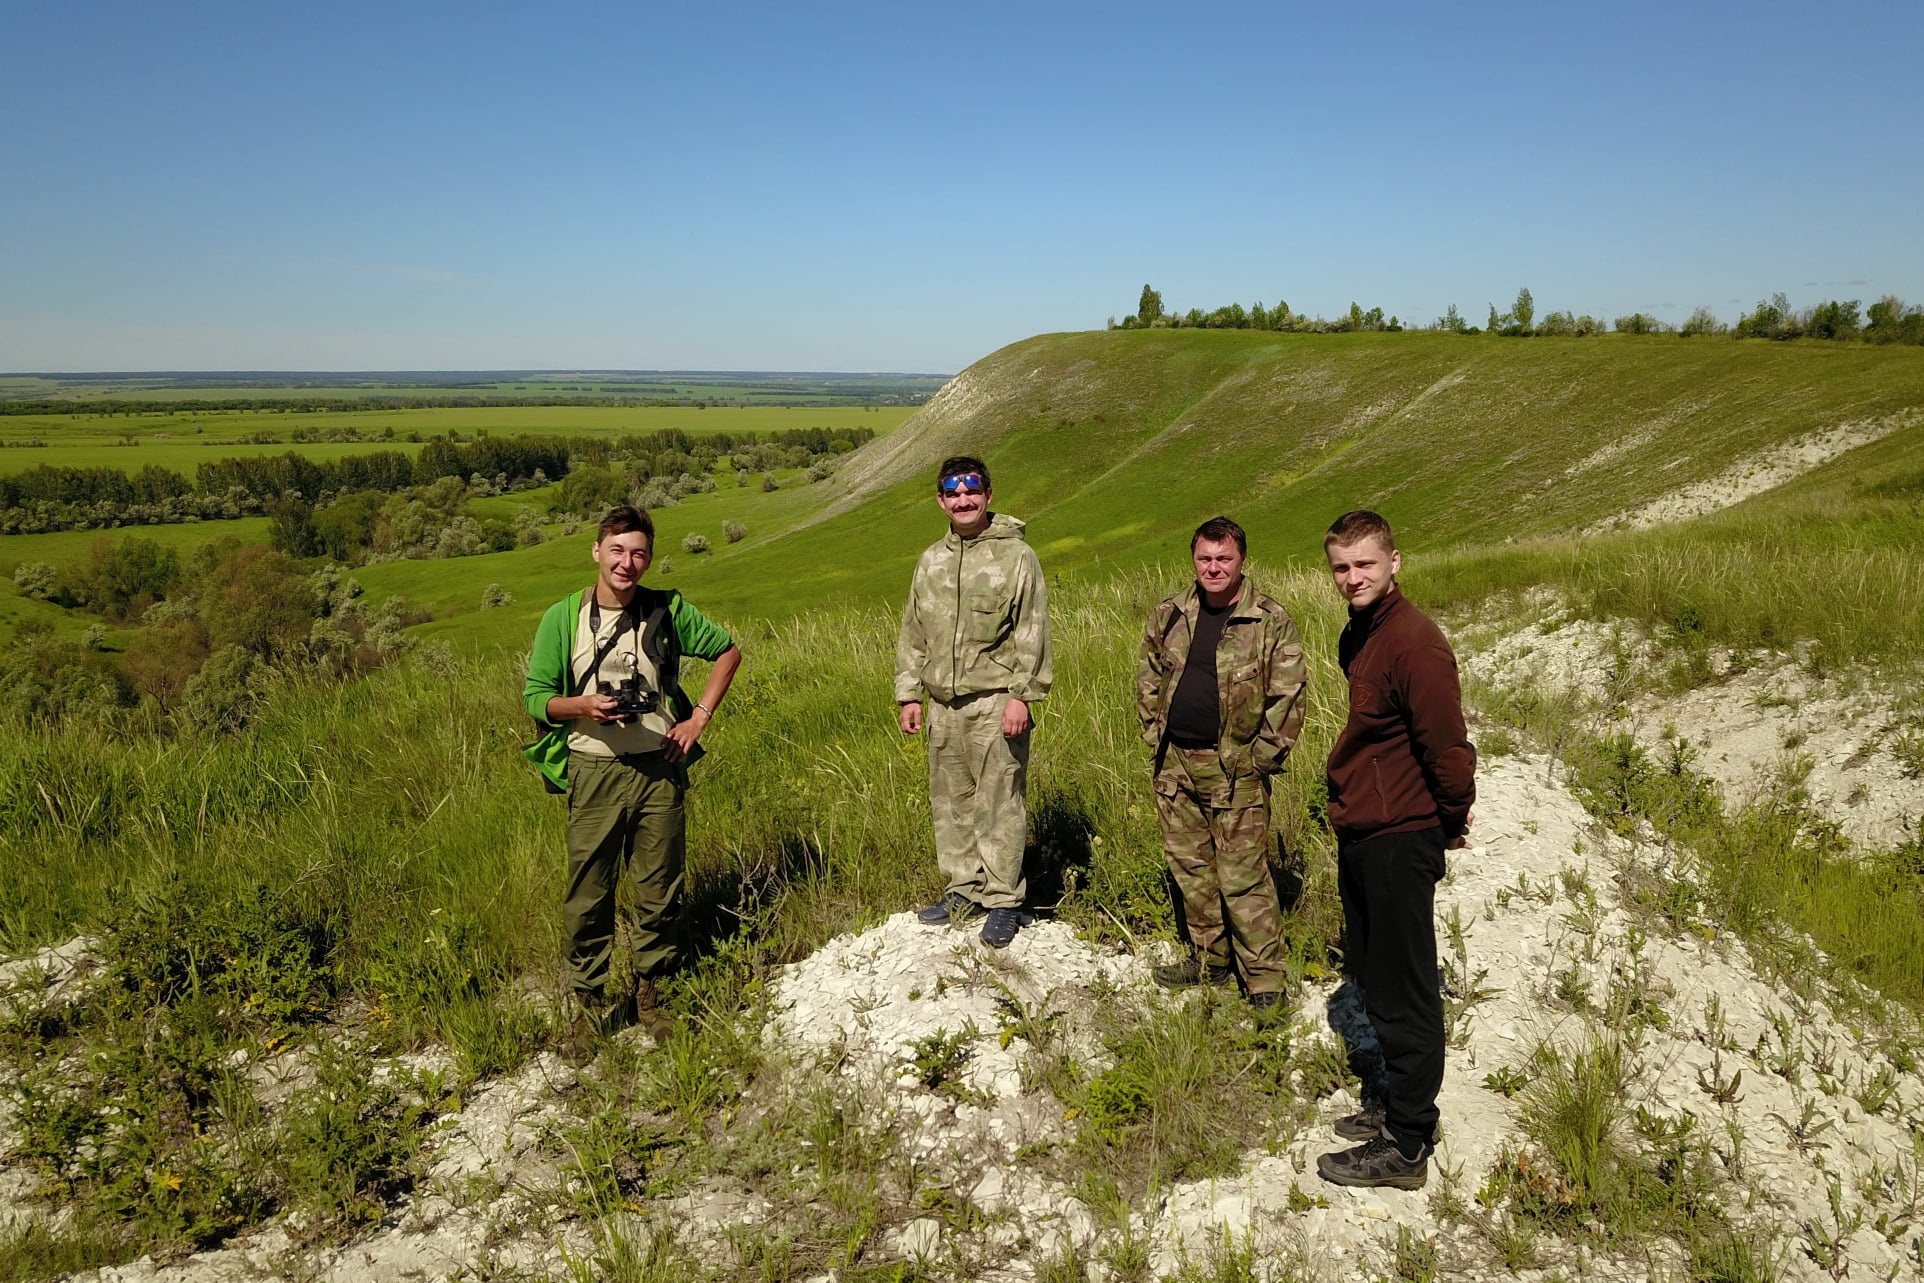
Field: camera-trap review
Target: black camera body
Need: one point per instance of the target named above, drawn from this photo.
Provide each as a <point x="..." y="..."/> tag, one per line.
<point x="633" y="696"/>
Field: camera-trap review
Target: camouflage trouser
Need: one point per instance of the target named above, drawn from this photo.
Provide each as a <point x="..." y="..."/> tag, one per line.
<point x="622" y="811"/>
<point x="1215" y="833"/>
<point x="976" y="779"/>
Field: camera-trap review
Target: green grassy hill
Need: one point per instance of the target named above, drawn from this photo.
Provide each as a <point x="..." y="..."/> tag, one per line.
<point x="1114" y="445"/>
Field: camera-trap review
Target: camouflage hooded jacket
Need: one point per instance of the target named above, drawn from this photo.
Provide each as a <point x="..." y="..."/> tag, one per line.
<point x="1260" y="676"/>
<point x="977" y="619"/>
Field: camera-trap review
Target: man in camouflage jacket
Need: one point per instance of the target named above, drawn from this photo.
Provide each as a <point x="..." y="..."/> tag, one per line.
<point x="975" y="646"/>
<point x="1220" y="694"/>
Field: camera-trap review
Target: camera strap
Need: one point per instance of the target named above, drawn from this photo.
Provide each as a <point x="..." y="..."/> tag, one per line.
<point x="629" y="616"/>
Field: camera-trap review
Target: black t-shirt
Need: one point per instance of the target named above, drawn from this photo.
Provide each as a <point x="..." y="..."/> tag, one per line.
<point x="1195" y="710"/>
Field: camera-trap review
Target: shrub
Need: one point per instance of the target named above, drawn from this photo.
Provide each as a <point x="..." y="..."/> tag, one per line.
<point x="1703" y="321"/>
<point x="221" y="698"/>
<point x="768" y="482"/>
<point x="494" y="595"/>
<point x="734" y="531"/>
<point x="694" y="543"/>
<point x="37" y="579"/>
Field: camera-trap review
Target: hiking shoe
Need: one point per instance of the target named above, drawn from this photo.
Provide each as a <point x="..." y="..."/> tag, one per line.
<point x="1268" y="1005"/>
<point x="649" y="1014"/>
<point x="949" y="910"/>
<point x="585" y="1026"/>
<point x="1002" y="926"/>
<point x="1365" y="1124"/>
<point x="1192" y="971"/>
<point x="1375" y="1163"/>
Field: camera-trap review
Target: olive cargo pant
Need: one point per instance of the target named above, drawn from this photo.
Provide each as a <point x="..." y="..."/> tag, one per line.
<point x="976" y="793"/>
<point x="1215" y="834"/>
<point x="622" y="811"/>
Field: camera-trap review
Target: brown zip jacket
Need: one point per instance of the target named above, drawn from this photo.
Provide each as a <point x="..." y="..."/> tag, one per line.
<point x="1404" y="761"/>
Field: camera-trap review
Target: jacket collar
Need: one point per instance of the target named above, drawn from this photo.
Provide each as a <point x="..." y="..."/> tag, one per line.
<point x="1190" y="604"/>
<point x="1369" y="619"/>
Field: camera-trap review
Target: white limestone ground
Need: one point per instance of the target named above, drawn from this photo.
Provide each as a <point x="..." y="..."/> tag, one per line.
<point x="1814" y="1147"/>
<point x="1763" y="723"/>
<point x="1763" y="471"/>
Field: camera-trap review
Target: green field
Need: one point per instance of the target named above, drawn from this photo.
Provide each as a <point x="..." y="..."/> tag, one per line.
<point x="182" y="441"/>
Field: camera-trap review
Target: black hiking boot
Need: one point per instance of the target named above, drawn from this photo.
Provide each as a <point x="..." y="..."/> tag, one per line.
<point x="1002" y="925"/>
<point x="1375" y="1163"/>
<point x="950" y="910"/>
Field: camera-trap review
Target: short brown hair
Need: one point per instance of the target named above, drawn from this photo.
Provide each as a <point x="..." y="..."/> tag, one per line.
<point x="626" y="520"/>
<point x="956" y="465"/>
<point x="1217" y="529"/>
<point x="1354" y="527"/>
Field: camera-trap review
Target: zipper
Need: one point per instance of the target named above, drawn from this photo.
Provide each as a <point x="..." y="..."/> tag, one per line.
<point x="955" y="635"/>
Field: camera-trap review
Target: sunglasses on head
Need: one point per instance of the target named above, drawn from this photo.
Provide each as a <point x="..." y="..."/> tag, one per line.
<point x="962" y="483"/>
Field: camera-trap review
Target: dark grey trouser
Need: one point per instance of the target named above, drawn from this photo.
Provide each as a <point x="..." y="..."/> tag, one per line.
<point x="622" y="811"/>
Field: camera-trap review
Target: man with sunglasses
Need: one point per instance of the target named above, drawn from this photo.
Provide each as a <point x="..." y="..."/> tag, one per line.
<point x="974" y="647"/>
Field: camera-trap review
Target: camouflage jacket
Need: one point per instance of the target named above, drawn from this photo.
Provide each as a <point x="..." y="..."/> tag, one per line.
<point x="1260" y="676"/>
<point x="977" y="619"/>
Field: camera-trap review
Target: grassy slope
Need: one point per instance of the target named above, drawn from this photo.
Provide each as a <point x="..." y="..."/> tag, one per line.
<point x="1114" y="445"/>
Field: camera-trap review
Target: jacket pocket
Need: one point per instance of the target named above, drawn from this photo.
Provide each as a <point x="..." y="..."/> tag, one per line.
<point x="982" y="614"/>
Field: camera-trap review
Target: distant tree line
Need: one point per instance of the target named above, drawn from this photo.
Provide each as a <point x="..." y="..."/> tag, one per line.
<point x="1150" y="314"/>
<point x="46" y="497"/>
<point x="130" y="406"/>
<point x="1889" y="320"/>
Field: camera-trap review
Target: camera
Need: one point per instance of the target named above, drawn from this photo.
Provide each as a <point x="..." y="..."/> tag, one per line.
<point x="633" y="696"/>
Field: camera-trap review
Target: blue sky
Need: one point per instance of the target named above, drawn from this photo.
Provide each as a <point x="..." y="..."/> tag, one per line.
<point x="906" y="188"/>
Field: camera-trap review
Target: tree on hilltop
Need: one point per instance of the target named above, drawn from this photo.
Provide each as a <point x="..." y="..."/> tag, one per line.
<point x="1525" y="309"/>
<point x="1149" y="307"/>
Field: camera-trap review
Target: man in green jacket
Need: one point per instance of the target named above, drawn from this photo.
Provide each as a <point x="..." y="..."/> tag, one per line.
<point x="605" y="672"/>
<point x="1220" y="694"/>
<point x="975" y="645"/>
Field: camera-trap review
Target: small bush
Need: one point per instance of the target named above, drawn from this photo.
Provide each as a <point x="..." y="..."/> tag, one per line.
<point x="694" y="544"/>
<point x="495" y="596"/>
<point x="768" y="482"/>
<point x="37" y="579"/>
<point x="734" y="531"/>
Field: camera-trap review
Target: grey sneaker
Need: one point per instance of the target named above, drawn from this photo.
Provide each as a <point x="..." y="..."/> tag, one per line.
<point x="1365" y="1124"/>
<point x="1002" y="926"/>
<point x="1375" y="1163"/>
<point x="1191" y="971"/>
<point x="949" y="910"/>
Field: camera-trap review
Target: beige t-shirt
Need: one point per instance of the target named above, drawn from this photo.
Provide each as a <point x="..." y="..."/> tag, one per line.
<point x="641" y="735"/>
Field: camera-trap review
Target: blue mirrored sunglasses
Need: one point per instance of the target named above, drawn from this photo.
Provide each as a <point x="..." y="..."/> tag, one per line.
<point x="962" y="483"/>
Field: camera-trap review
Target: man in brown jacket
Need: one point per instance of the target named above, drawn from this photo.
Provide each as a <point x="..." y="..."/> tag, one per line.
<point x="1402" y="777"/>
<point x="1219" y="690"/>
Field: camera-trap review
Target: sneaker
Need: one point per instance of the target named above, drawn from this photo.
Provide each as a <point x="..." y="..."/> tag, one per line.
<point x="1365" y="1124"/>
<point x="949" y="910"/>
<point x="1375" y="1163"/>
<point x="1192" y="971"/>
<point x="1002" y="926"/>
